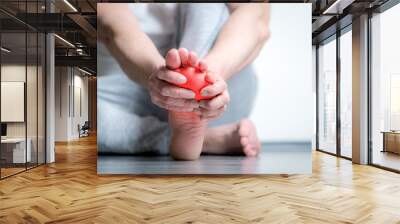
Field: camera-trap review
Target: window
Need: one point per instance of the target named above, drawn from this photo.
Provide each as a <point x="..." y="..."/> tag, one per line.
<point x="385" y="89"/>
<point x="327" y="96"/>
<point x="346" y="93"/>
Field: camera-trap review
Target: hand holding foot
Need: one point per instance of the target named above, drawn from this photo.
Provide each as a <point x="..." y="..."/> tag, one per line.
<point x="216" y="106"/>
<point x="215" y="95"/>
<point x="163" y="87"/>
<point x="187" y="127"/>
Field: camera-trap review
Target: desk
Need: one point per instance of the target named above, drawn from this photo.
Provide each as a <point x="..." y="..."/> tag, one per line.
<point x="391" y="141"/>
<point x="13" y="150"/>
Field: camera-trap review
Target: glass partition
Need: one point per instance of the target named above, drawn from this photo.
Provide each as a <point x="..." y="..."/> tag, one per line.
<point x="14" y="143"/>
<point x="41" y="109"/>
<point x="346" y="94"/>
<point x="22" y="101"/>
<point x="327" y="96"/>
<point x="33" y="56"/>
<point x="31" y="100"/>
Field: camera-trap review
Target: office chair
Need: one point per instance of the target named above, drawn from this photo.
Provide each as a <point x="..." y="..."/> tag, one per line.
<point x="84" y="130"/>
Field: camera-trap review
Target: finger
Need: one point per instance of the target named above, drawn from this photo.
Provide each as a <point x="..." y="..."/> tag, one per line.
<point x="179" y="109"/>
<point x="156" y="89"/>
<point x="217" y="102"/>
<point x="176" y="92"/>
<point x="214" y="89"/>
<point x="180" y="102"/>
<point x="210" y="113"/>
<point x="207" y="113"/>
<point x="156" y="99"/>
<point x="172" y="59"/>
<point x="184" y="55"/>
<point x="172" y="77"/>
<point x="166" y="89"/>
<point x="155" y="86"/>
<point x="161" y="102"/>
<point x="163" y="89"/>
<point x="169" y="102"/>
<point x="214" y="115"/>
<point x="193" y="59"/>
<point x="203" y="66"/>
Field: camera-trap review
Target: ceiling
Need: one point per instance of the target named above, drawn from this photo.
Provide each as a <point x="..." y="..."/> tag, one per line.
<point x="332" y="15"/>
<point x="72" y="20"/>
<point x="76" y="22"/>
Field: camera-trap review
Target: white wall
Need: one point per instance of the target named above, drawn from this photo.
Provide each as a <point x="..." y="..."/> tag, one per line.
<point x="18" y="73"/>
<point x="284" y="108"/>
<point x="61" y="103"/>
<point x="34" y="125"/>
<point x="67" y="85"/>
<point x="80" y="83"/>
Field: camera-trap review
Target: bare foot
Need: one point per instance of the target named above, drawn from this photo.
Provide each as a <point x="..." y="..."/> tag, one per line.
<point x="187" y="135"/>
<point x="235" y="138"/>
<point x="187" y="127"/>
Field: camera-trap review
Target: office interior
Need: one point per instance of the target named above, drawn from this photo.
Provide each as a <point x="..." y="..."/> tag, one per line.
<point x="48" y="84"/>
<point x="48" y="81"/>
<point x="335" y="70"/>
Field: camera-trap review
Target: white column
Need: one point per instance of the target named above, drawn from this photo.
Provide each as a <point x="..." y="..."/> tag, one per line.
<point x="50" y="92"/>
<point x="360" y="90"/>
<point x="50" y="99"/>
<point x="314" y="87"/>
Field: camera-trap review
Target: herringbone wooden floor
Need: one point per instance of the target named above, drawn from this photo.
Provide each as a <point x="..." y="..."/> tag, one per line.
<point x="70" y="191"/>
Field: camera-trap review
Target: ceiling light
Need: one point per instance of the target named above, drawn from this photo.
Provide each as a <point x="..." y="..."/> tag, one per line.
<point x="70" y="5"/>
<point x="65" y="41"/>
<point x="5" y="50"/>
<point x="337" y="7"/>
<point x="84" y="71"/>
<point x="79" y="51"/>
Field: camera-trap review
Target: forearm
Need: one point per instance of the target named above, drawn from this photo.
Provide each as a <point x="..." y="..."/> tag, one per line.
<point x="131" y="47"/>
<point x="240" y="40"/>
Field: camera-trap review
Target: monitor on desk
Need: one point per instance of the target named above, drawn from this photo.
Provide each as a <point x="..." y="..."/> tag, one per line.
<point x="3" y="130"/>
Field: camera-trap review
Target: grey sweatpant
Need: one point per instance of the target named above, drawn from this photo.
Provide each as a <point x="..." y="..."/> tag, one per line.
<point x="129" y="123"/>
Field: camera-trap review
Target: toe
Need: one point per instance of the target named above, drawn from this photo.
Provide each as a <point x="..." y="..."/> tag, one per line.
<point x="184" y="55"/>
<point x="203" y="66"/>
<point x="244" y="129"/>
<point x="244" y="141"/>
<point x="249" y="151"/>
<point x="172" y="60"/>
<point x="193" y="59"/>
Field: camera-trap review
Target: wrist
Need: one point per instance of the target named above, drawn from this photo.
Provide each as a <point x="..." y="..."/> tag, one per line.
<point x="153" y="68"/>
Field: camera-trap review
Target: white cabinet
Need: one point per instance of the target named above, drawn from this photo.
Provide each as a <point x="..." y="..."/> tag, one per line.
<point x="19" y="155"/>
